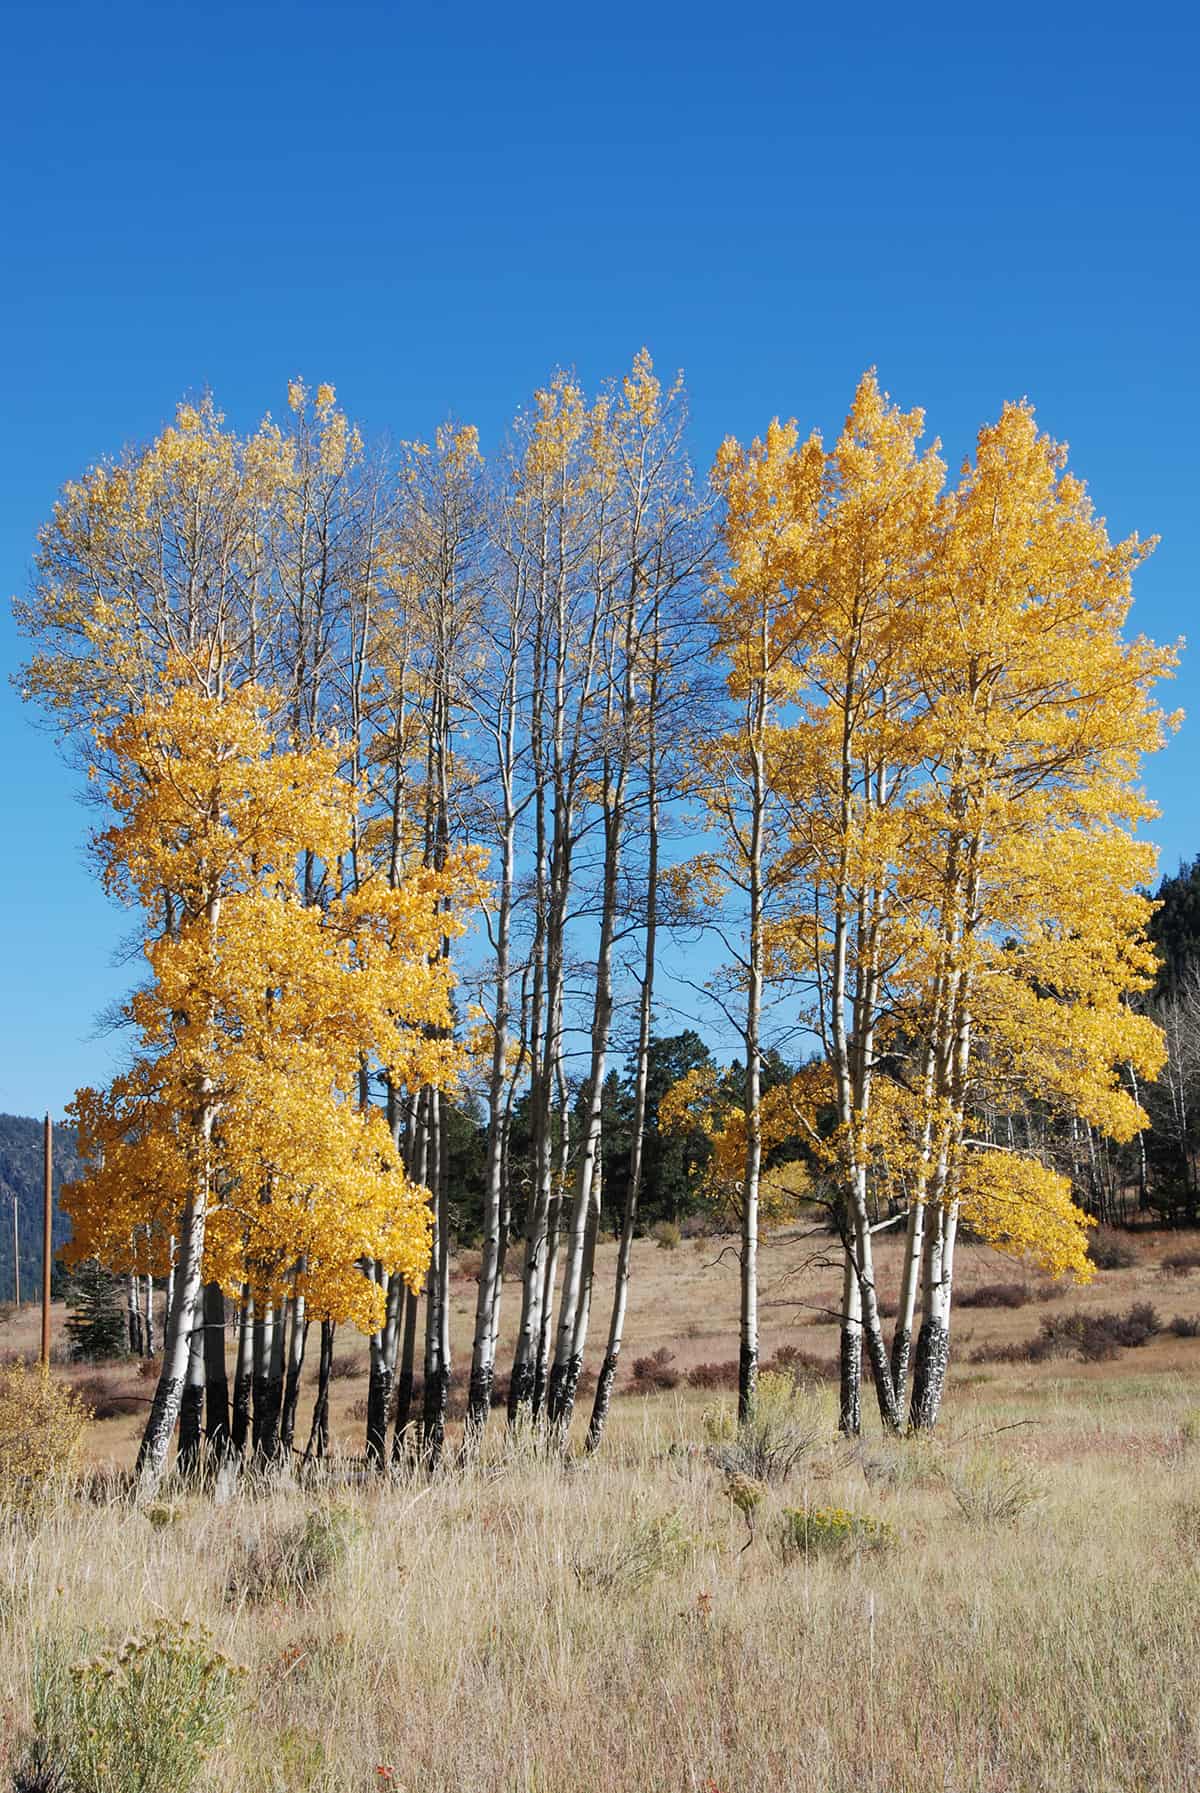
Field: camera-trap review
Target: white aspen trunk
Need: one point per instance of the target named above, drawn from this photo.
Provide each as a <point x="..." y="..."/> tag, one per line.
<point x="274" y="1402"/>
<point x="748" y="1305"/>
<point x="264" y="1338"/>
<point x="523" y="1377"/>
<point x="572" y="1323"/>
<point x="148" y="1318"/>
<point x="616" y="1324"/>
<point x="540" y="1239"/>
<point x="191" y="1407"/>
<point x="294" y="1366"/>
<point x="133" y="1315"/>
<point x="933" y="1341"/>
<point x="383" y="1349"/>
<point x="914" y="1238"/>
<point x="850" y="1353"/>
<point x="419" y="1171"/>
<point x="553" y="1248"/>
<point x="169" y="1290"/>
<point x="487" y="1302"/>
<point x="437" y="1312"/>
<point x="181" y="1322"/>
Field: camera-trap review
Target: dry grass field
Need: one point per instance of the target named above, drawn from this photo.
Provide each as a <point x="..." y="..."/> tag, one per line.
<point x="1022" y="1615"/>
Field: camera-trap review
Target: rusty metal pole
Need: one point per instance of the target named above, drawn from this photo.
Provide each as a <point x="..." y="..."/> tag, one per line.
<point x="47" y="1210"/>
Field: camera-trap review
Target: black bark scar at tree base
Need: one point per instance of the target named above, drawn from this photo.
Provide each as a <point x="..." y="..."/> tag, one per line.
<point x="747" y="1379"/>
<point x="433" y="1420"/>
<point x="567" y="1390"/>
<point x="603" y="1399"/>
<point x="291" y="1401"/>
<point x="379" y="1389"/>
<point x="881" y="1374"/>
<point x="850" y="1379"/>
<point x="929" y="1374"/>
<point x="901" y="1348"/>
<point x="520" y="1389"/>
<point x="216" y="1379"/>
<point x="191" y="1407"/>
<point x="479" y="1397"/>
<point x="163" y="1415"/>
<point x="268" y="1447"/>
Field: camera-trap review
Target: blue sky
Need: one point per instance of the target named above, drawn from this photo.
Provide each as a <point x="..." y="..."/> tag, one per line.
<point x="434" y="208"/>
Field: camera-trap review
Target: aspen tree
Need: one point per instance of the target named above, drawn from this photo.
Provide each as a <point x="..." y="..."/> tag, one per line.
<point x="242" y="1092"/>
<point x="648" y="549"/>
<point x="1039" y="710"/>
<point x="551" y="479"/>
<point x="766" y="492"/>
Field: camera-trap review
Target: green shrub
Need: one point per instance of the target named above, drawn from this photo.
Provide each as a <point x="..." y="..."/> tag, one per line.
<point x="833" y="1531"/>
<point x="138" y="1719"/>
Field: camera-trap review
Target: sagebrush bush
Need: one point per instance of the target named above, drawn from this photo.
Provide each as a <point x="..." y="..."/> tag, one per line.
<point x="42" y="1423"/>
<point x="666" y="1235"/>
<point x="832" y="1531"/>
<point x="141" y="1718"/>
<point x="297" y="1562"/>
<point x="635" y="1555"/>
<point x="1178" y="1263"/>
<point x="990" y="1490"/>
<point x="766" y="1447"/>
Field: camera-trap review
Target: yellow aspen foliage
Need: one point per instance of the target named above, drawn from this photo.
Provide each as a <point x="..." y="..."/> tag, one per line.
<point x="260" y="1014"/>
<point x="694" y="1104"/>
<point x="958" y="724"/>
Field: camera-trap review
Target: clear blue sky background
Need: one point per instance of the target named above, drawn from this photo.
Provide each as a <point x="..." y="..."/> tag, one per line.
<point x="435" y="207"/>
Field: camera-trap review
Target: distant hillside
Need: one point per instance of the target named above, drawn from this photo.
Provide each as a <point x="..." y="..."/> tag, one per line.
<point x="21" y="1176"/>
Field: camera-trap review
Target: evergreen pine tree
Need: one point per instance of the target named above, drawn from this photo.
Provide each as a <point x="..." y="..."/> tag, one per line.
<point x="96" y="1321"/>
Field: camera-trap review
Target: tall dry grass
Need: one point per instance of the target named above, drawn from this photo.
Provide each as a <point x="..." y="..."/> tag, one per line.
<point x="470" y="1635"/>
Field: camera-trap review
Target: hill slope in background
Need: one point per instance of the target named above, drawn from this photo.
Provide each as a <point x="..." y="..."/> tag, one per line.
<point x="21" y="1177"/>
